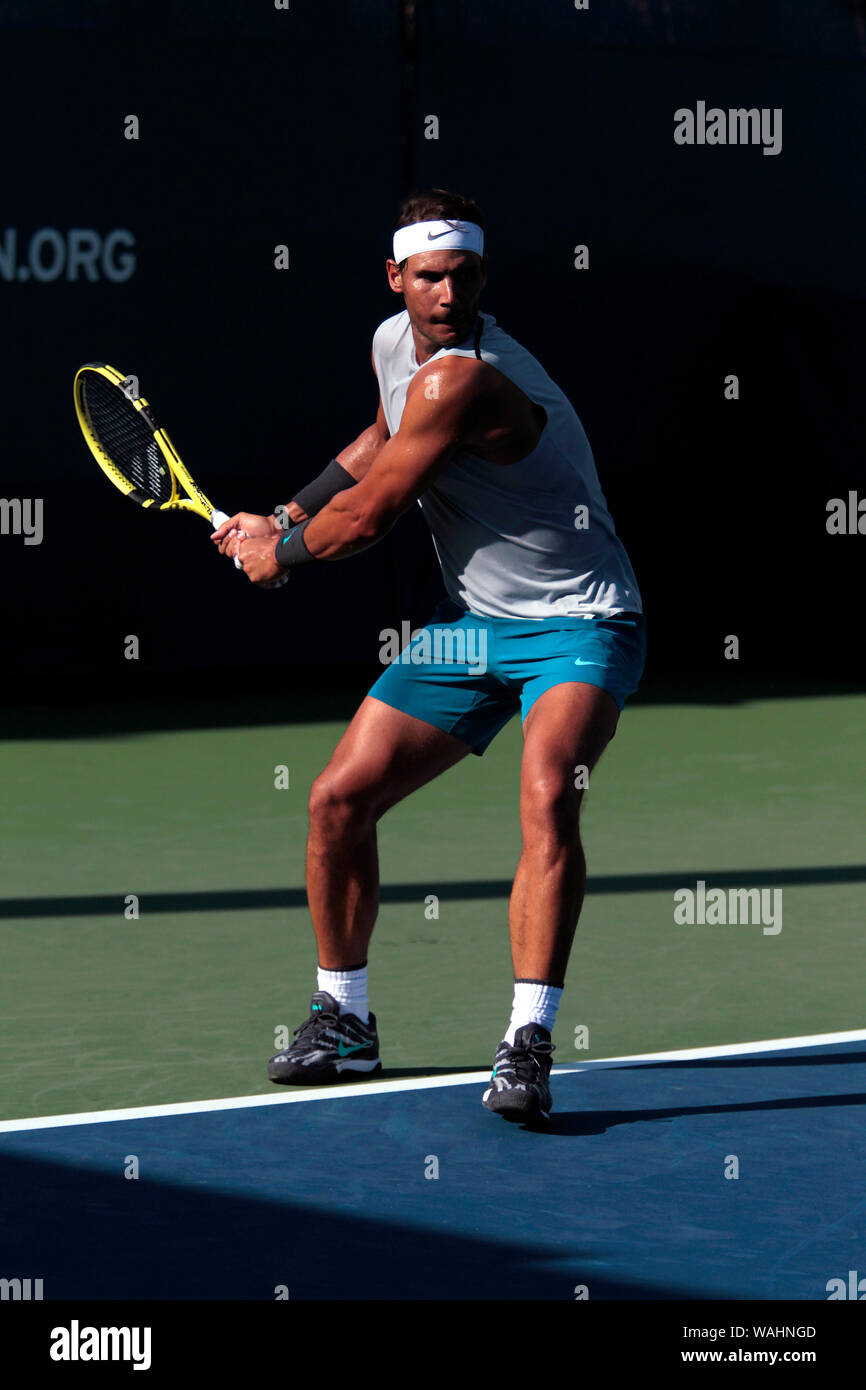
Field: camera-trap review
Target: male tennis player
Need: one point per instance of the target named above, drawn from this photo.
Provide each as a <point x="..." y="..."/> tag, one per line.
<point x="543" y="615"/>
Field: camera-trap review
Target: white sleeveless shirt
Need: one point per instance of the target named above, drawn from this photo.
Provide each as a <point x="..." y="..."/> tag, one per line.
<point x="531" y="539"/>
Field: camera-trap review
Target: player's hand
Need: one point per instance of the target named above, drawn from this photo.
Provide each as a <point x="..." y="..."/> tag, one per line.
<point x="256" y="555"/>
<point x="226" y="537"/>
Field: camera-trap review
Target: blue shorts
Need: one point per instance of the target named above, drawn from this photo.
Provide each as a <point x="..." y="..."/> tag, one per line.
<point x="468" y="675"/>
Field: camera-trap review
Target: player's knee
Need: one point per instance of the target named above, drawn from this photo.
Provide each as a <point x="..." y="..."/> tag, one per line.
<point x="550" y="804"/>
<point x="338" y="803"/>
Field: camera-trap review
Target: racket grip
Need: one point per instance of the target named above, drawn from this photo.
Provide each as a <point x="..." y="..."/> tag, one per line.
<point x="216" y="519"/>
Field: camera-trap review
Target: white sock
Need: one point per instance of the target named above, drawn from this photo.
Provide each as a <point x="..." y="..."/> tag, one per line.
<point x="349" y="988"/>
<point x="534" y="1002"/>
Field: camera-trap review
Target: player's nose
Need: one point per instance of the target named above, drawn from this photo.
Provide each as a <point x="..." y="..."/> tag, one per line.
<point x="446" y="292"/>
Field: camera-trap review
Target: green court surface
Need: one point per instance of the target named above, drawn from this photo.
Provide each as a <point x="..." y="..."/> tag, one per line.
<point x="99" y="1011"/>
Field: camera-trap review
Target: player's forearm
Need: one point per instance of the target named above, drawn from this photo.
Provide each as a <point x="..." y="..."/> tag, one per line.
<point x="357" y="457"/>
<point x="348" y="525"/>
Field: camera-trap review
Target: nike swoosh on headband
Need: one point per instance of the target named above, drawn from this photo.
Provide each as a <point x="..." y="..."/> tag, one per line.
<point x="434" y="236"/>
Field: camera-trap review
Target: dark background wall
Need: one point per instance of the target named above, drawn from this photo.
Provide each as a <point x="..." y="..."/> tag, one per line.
<point x="306" y="127"/>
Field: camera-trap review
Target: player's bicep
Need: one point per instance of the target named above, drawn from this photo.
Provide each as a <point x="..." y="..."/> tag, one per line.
<point x="409" y="462"/>
<point x="402" y="471"/>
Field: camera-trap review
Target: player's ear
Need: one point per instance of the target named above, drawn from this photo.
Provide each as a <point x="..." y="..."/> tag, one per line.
<point x="395" y="276"/>
<point x="484" y="270"/>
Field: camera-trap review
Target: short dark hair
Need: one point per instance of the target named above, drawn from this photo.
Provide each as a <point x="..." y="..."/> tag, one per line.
<point x="435" y="204"/>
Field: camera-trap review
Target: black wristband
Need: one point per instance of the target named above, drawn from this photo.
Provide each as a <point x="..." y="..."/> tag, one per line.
<point x="291" y="550"/>
<point x="319" y="492"/>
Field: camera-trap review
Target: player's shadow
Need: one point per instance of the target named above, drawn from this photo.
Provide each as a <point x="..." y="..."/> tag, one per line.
<point x="582" y="1123"/>
<point x="755" y="1059"/>
<point x="410" y="1073"/>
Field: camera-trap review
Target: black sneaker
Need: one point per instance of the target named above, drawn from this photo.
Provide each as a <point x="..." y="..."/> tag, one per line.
<point x="519" y="1087"/>
<point x="326" y="1046"/>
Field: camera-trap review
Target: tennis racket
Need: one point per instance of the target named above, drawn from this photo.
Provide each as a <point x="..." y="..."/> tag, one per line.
<point x="132" y="450"/>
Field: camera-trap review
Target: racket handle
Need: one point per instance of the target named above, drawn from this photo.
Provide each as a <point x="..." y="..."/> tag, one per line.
<point x="217" y="518"/>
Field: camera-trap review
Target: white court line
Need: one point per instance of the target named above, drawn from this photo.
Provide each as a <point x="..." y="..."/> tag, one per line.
<point x="425" y="1083"/>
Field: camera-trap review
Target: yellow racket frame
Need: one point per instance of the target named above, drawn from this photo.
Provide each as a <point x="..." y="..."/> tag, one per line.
<point x="194" y="501"/>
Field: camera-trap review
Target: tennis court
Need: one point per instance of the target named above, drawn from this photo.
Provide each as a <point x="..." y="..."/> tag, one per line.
<point x="626" y="1193"/>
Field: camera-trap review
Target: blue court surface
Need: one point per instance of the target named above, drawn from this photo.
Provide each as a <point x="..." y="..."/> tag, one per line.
<point x="325" y="1195"/>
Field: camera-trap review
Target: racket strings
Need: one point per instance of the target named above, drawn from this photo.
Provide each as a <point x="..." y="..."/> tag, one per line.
<point x="126" y="437"/>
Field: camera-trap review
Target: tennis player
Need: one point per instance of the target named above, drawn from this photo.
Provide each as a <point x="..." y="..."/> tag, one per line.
<point x="543" y="616"/>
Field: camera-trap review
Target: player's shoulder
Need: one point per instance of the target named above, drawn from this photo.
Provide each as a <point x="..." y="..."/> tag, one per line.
<point x="390" y="331"/>
<point x="456" y="383"/>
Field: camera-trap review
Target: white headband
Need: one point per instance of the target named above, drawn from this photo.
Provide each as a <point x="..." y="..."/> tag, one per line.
<point x="449" y="235"/>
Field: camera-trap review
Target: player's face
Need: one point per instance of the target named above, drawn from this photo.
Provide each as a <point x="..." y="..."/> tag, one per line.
<point x="442" y="291"/>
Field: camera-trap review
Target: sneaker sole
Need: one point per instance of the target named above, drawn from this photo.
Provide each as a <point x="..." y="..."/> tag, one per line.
<point x="514" y="1105"/>
<point x="330" y="1076"/>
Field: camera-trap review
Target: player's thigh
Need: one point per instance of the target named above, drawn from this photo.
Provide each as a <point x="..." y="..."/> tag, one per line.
<point x="384" y="755"/>
<point x="564" y="735"/>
